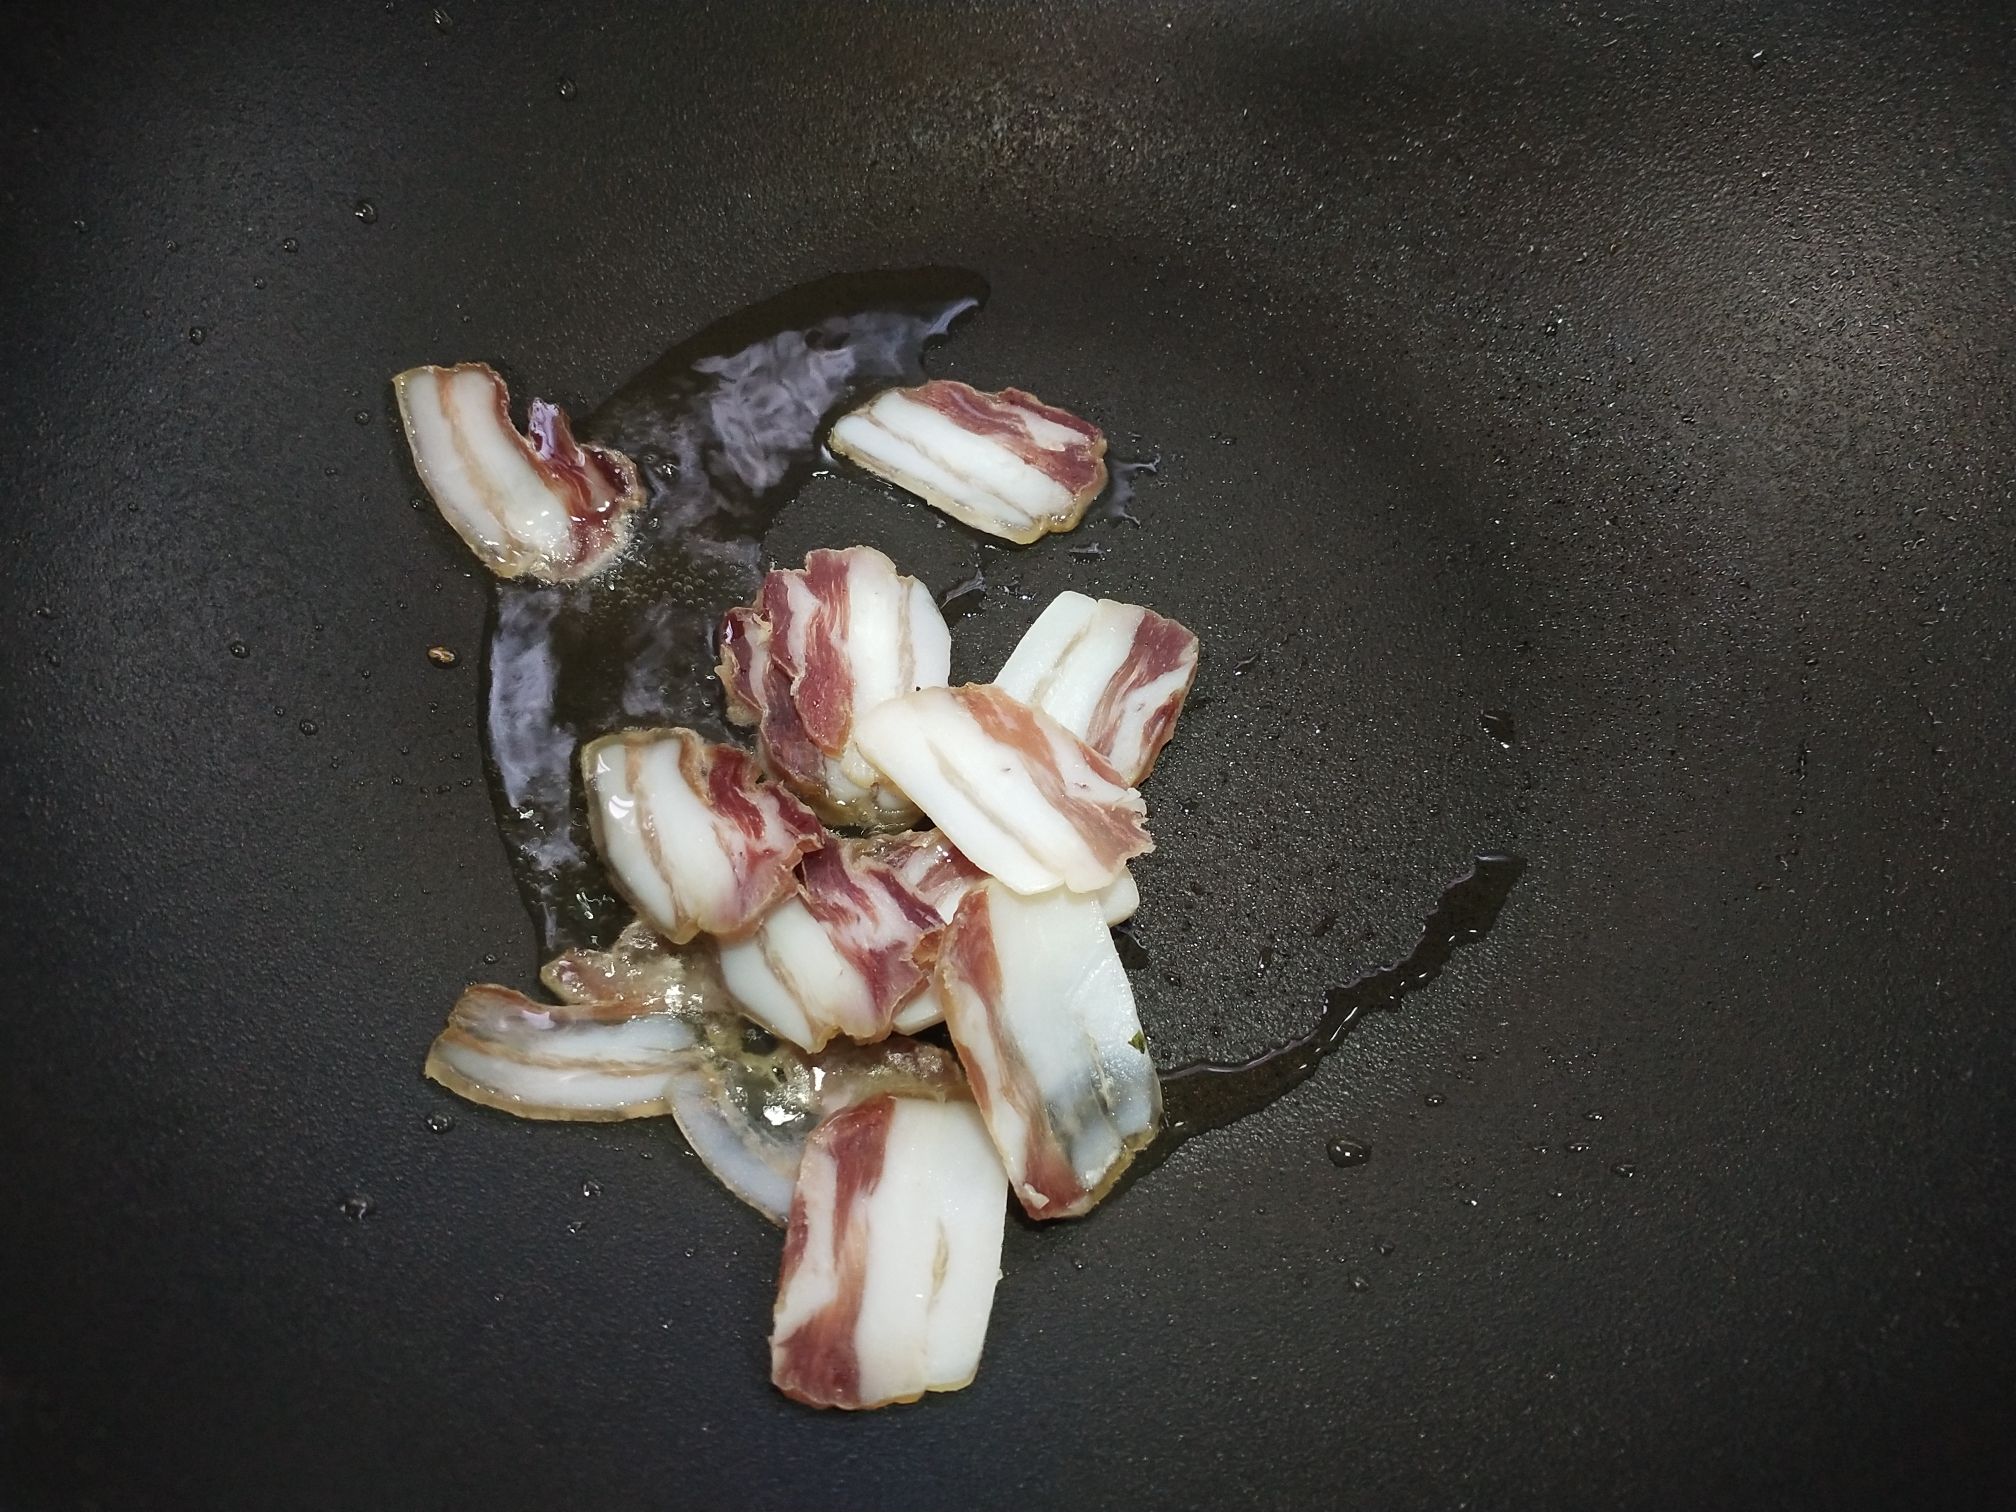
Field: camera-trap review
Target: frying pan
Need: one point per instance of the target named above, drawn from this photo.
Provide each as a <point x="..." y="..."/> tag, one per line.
<point x="1643" y="377"/>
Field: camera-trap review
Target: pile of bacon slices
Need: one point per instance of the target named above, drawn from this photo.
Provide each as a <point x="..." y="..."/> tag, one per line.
<point x="992" y="826"/>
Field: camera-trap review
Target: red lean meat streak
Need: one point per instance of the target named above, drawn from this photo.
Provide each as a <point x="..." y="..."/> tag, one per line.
<point x="994" y="416"/>
<point x="969" y="954"/>
<point x="886" y="931"/>
<point x="1114" y="834"/>
<point x="822" y="684"/>
<point x="1159" y="647"/>
<point x="816" y="1363"/>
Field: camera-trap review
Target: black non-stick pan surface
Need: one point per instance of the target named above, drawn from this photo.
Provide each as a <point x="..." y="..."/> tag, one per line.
<point x="1639" y="374"/>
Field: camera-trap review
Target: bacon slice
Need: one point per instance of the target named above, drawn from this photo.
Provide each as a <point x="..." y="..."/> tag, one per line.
<point x="891" y="1256"/>
<point x="1115" y="675"/>
<point x="954" y="877"/>
<point x="594" y="1062"/>
<point x="1004" y="463"/>
<point x="541" y="504"/>
<point x="822" y="644"/>
<point x="645" y="1030"/>
<point x="839" y="958"/>
<point x="1021" y="796"/>
<point x="1043" y="1019"/>
<point x="691" y="836"/>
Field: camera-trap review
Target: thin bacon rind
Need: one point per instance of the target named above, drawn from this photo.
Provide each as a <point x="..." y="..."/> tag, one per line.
<point x="1018" y="794"/>
<point x="842" y="955"/>
<point x="536" y="504"/>
<point x="821" y="645"/>
<point x="1004" y="463"/>
<point x="891" y="1256"/>
<point x="1114" y="674"/>
<point x="690" y="833"/>
<point x="1041" y="1013"/>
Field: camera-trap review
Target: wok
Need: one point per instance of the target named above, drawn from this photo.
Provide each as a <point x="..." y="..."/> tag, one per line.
<point x="1643" y="379"/>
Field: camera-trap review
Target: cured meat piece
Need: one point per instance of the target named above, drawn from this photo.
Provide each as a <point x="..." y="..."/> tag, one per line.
<point x="822" y="644"/>
<point x="1115" y="675"/>
<point x="647" y="1030"/>
<point x="891" y="1255"/>
<point x="690" y="835"/>
<point x="539" y="505"/>
<point x="1043" y="1018"/>
<point x="1117" y="903"/>
<point x="1005" y="463"/>
<point x="1020" y="796"/>
<point x="840" y="957"/>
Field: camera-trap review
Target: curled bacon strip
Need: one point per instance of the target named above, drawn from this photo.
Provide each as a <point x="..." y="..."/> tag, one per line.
<point x="1019" y="795"/>
<point x="1115" y="675"/>
<point x="541" y="504"/>
<point x="1043" y="1018"/>
<point x="891" y="1255"/>
<point x="690" y="834"/>
<point x="1004" y="463"/>
<point x="821" y="645"/>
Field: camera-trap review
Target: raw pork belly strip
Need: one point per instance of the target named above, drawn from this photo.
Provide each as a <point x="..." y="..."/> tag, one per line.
<point x="891" y="1255"/>
<point x="822" y="644"/>
<point x="1043" y="1019"/>
<point x="1115" y="675"/>
<point x="1004" y="463"/>
<point x="691" y="836"/>
<point x="1021" y="797"/>
<point x="840" y="957"/>
<point x="542" y="505"/>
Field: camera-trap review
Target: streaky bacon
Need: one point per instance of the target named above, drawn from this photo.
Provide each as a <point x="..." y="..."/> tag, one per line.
<point x="537" y="504"/>
<point x="1004" y="463"/>
<point x="822" y="645"/>
<point x="1019" y="795"/>
<point x="891" y="1255"/>
<point x="691" y="834"/>
<point x="1041" y="1013"/>
<point x="1113" y="674"/>
<point x="842" y="955"/>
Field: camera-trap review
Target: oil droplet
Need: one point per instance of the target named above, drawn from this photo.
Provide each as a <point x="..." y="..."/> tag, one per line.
<point x="1133" y="954"/>
<point x="43" y="611"/>
<point x="240" y="650"/>
<point x="362" y="417"/>
<point x="1344" y="1152"/>
<point x="1623" y="1168"/>
<point x="577" y="1225"/>
<point x="289" y="244"/>
<point x="441" y="656"/>
<point x="196" y="335"/>
<point x="173" y="246"/>
<point x="1593" y="1117"/>
<point x="365" y="211"/>
<point x="591" y="1189"/>
<point x="1578" y="1147"/>
<point x="442" y="20"/>
<point x="258" y="283"/>
<point x="439" y="1123"/>
<point x="490" y="958"/>
<point x="307" y="727"/>
<point x="1433" y="1099"/>
<point x="357" y="1207"/>
<point x="1499" y="726"/>
<point x="1359" y="1284"/>
<point x="566" y="89"/>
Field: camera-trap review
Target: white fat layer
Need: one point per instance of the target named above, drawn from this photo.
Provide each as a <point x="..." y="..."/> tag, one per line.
<point x="533" y="517"/>
<point x="981" y="794"/>
<point x="695" y="872"/>
<point x="1068" y="657"/>
<point x="968" y="476"/>
<point x="1066" y="1014"/>
<point x="793" y="980"/>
